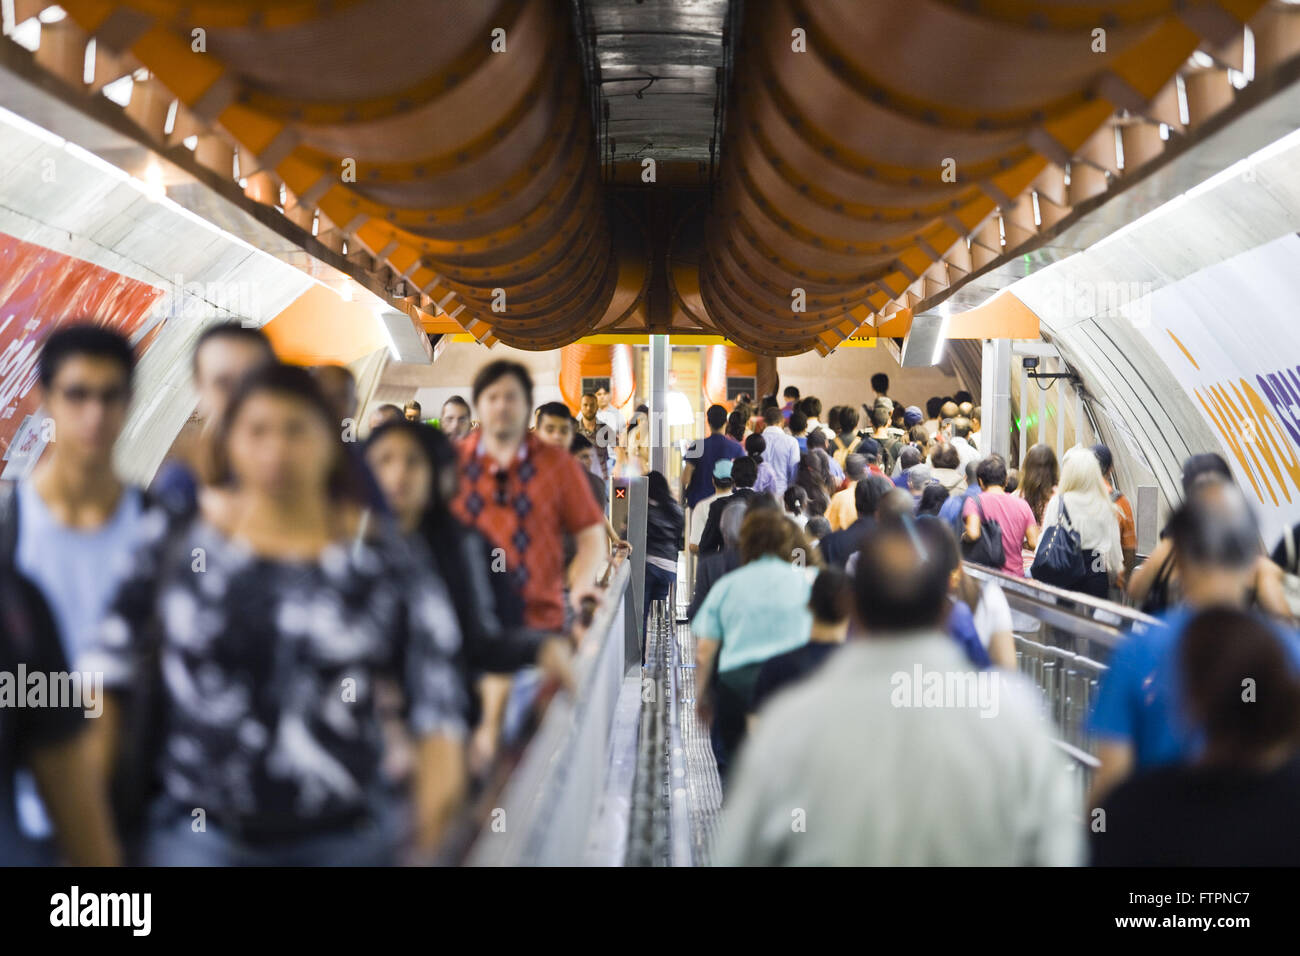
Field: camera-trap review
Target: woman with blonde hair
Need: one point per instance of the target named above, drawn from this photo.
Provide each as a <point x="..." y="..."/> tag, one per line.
<point x="1083" y="504"/>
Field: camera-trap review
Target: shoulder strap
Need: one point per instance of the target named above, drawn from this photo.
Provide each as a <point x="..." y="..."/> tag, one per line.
<point x="1116" y="494"/>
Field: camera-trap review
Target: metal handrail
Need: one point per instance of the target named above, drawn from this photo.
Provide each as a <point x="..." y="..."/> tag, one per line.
<point x="549" y="802"/>
<point x="1068" y="658"/>
<point x="1094" y="619"/>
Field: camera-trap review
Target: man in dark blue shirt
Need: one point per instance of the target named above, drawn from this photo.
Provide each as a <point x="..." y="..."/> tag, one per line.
<point x="697" y="472"/>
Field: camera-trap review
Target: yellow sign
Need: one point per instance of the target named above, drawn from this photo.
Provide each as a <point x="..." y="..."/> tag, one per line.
<point x="859" y="342"/>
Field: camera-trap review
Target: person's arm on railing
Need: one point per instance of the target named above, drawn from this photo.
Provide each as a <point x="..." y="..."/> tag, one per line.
<point x="592" y="556"/>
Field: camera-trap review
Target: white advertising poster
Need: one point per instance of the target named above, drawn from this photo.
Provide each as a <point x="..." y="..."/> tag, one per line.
<point x="1231" y="336"/>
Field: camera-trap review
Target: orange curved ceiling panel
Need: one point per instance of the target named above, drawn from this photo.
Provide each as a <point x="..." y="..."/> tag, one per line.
<point x="874" y="153"/>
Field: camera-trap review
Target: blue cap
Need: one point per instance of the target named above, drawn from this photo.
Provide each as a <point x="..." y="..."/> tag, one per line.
<point x="912" y="416"/>
<point x="722" y="469"/>
<point x="869" y="447"/>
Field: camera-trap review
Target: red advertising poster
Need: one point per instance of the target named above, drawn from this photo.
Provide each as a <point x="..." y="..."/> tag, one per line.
<point x="41" y="289"/>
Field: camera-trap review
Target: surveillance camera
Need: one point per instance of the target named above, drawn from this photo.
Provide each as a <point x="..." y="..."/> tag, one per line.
<point x="1031" y="361"/>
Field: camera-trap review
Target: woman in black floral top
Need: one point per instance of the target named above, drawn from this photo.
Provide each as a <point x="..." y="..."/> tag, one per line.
<point x="274" y="622"/>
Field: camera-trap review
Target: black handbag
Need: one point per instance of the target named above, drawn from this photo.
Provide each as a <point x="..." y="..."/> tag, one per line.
<point x="987" y="549"/>
<point x="1059" y="558"/>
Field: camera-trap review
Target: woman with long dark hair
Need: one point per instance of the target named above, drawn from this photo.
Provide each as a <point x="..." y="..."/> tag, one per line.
<point x="1039" y="476"/>
<point x="276" y="616"/>
<point x="665" y="523"/>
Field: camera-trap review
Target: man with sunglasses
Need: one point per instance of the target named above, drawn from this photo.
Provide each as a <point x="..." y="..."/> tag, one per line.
<point x="70" y="523"/>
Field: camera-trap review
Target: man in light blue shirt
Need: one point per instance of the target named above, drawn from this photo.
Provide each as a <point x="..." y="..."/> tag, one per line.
<point x="782" y="448"/>
<point x="1139" y="717"/>
<point x="72" y="522"/>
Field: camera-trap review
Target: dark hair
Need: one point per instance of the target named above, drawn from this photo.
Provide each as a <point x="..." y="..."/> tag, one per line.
<point x="868" y="492"/>
<point x="918" y="435"/>
<point x="632" y="422"/>
<point x="768" y="401"/>
<point x="493" y="372"/>
<point x="767" y="531"/>
<point x="831" y="597"/>
<point x="811" y="406"/>
<point x="945" y="456"/>
<point x="744" y="472"/>
<point x="1198" y="466"/>
<point x="83" y="338"/>
<point x="441" y="456"/>
<point x="798" y="422"/>
<point x="1039" y="475"/>
<point x="755" y="445"/>
<point x="855" y="466"/>
<point x="972" y="471"/>
<point x="933" y="406"/>
<point x="658" y="489"/>
<point x="909" y="457"/>
<point x="772" y="415"/>
<point x="816" y="439"/>
<point x="1104" y="458"/>
<point x="932" y="499"/>
<point x="580" y="442"/>
<point x="897" y="413"/>
<point x="287" y="381"/>
<point x="790" y="392"/>
<point x="716" y="416"/>
<point x="1221" y="649"/>
<point x="963" y="396"/>
<point x="880" y="416"/>
<point x="554" y="410"/>
<point x="848" y="418"/>
<point x="880" y="383"/>
<point x="915" y="559"/>
<point x="818" y="527"/>
<point x="413" y="404"/>
<point x="454" y="400"/>
<point x="736" y="425"/>
<point x="992" y="471"/>
<point x="587" y="395"/>
<point x="796" y="499"/>
<point x="1013" y="481"/>
<point x="231" y="332"/>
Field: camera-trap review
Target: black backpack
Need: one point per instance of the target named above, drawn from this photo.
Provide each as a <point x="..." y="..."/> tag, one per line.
<point x="987" y="549"/>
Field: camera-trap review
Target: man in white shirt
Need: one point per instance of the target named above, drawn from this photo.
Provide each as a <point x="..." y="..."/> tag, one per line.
<point x="812" y="408"/>
<point x="612" y="417"/>
<point x="960" y="440"/>
<point x="896" y="753"/>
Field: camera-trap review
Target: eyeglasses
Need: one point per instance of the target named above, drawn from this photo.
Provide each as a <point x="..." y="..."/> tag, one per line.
<point x="111" y="397"/>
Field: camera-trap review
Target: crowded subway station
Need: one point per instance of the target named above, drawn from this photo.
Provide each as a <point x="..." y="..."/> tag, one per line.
<point x="651" y="433"/>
